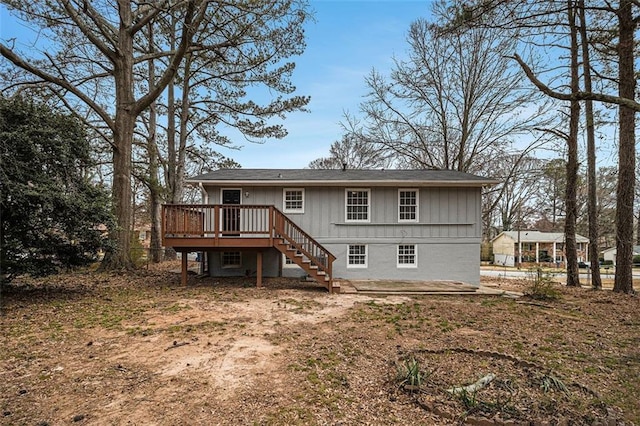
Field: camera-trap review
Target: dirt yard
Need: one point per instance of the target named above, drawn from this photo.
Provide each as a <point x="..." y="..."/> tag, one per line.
<point x="139" y="349"/>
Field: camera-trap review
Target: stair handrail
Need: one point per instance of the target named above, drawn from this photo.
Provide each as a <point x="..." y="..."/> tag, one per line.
<point x="280" y="220"/>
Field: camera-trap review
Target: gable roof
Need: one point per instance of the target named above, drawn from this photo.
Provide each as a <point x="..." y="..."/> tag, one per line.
<point x="351" y="177"/>
<point x="636" y="250"/>
<point x="527" y="236"/>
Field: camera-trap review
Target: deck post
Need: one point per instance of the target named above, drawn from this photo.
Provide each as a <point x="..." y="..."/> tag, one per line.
<point x="184" y="268"/>
<point x="259" y="270"/>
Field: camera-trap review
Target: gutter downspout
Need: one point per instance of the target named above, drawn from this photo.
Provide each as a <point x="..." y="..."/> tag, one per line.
<point x="205" y="194"/>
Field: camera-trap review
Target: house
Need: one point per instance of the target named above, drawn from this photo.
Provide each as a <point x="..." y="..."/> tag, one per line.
<point x="610" y="253"/>
<point x="327" y="224"/>
<point x="534" y="247"/>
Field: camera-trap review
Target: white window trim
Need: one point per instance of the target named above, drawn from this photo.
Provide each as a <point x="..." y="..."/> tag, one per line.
<point x="417" y="205"/>
<point x="415" y="255"/>
<point x="223" y="266"/>
<point x="288" y="265"/>
<point x="346" y="197"/>
<point x="284" y="201"/>
<point x="366" y="257"/>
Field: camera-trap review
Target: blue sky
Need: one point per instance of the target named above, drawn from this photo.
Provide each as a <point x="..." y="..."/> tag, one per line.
<point x="347" y="39"/>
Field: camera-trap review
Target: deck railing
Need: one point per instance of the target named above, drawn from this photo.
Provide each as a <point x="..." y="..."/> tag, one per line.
<point x="215" y="221"/>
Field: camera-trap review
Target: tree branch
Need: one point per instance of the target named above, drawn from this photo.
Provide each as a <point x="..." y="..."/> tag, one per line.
<point x="188" y="29"/>
<point x="20" y="63"/>
<point x="148" y="13"/>
<point x="82" y="25"/>
<point x="577" y="96"/>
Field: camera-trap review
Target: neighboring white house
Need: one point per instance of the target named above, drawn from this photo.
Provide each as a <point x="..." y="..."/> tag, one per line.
<point x="610" y="253"/>
<point x="370" y="224"/>
<point x="534" y="247"/>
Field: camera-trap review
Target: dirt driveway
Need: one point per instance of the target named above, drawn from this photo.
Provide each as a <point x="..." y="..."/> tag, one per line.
<point x="139" y="349"/>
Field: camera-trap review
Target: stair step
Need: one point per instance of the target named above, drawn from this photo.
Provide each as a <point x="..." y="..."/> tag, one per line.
<point x="314" y="269"/>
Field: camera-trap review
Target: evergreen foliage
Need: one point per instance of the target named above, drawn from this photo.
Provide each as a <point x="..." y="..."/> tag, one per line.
<point x="52" y="216"/>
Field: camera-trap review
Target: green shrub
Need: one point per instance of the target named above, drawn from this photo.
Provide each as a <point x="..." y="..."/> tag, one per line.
<point x="52" y="214"/>
<point x="541" y="285"/>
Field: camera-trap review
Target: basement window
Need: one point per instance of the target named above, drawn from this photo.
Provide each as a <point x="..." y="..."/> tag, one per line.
<point x="357" y="257"/>
<point x="407" y="256"/>
<point x="231" y="259"/>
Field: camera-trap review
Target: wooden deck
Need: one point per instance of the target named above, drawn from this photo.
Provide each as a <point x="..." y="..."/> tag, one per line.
<point x="208" y="227"/>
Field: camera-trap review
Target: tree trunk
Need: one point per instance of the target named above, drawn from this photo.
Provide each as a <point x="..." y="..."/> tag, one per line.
<point x="571" y="252"/>
<point x="170" y="175"/>
<point x="155" y="190"/>
<point x="119" y="257"/>
<point x="626" y="152"/>
<point x="125" y="121"/>
<point x="594" y="249"/>
<point x="184" y="120"/>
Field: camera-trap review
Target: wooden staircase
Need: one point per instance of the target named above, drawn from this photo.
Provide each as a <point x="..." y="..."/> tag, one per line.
<point x="200" y="227"/>
<point x="304" y="251"/>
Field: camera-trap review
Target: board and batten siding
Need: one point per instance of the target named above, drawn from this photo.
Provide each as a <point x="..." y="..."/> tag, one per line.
<point x="447" y="234"/>
<point x="442" y="212"/>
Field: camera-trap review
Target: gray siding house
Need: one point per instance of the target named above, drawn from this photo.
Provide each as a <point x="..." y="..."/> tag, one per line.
<point x="370" y="224"/>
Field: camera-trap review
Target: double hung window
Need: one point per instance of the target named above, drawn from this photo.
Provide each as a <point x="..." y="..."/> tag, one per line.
<point x="407" y="256"/>
<point x="407" y="205"/>
<point x="357" y="256"/>
<point x="293" y="200"/>
<point x="357" y="205"/>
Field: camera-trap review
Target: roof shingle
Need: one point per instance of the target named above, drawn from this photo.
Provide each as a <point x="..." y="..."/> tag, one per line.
<point x="316" y="176"/>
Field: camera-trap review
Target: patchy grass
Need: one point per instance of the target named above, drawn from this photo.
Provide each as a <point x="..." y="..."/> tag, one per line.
<point x="130" y="348"/>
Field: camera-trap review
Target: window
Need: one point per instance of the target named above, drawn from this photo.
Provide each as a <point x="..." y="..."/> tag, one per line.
<point x="288" y="263"/>
<point x="231" y="259"/>
<point x="293" y="200"/>
<point x="407" y="256"/>
<point x="357" y="257"/>
<point x="357" y="203"/>
<point x="407" y="205"/>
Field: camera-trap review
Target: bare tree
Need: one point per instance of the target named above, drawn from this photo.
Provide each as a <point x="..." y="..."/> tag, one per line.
<point x="213" y="89"/>
<point x="455" y="102"/>
<point x="626" y="148"/>
<point x="571" y="248"/>
<point x="594" y="243"/>
<point x="523" y="14"/>
<point x="352" y="153"/>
